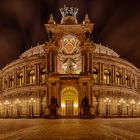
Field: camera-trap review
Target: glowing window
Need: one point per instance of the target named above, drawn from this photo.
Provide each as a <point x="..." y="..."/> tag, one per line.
<point x="95" y="74"/>
<point x="118" y="78"/>
<point x="107" y="76"/>
<point x="43" y="75"/>
<point x="20" y="78"/>
<point x="11" y="81"/>
<point x="31" y="77"/>
<point x="127" y="80"/>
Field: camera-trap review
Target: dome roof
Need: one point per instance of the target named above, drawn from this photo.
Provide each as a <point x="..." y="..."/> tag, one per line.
<point x="33" y="51"/>
<point x="105" y="50"/>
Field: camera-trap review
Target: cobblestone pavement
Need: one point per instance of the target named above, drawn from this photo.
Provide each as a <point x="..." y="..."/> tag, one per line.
<point x="69" y="129"/>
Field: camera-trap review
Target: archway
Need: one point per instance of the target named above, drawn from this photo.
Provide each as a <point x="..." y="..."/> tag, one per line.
<point x="69" y="102"/>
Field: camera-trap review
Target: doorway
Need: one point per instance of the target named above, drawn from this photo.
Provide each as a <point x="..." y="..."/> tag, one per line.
<point x="69" y="108"/>
<point x="69" y="102"/>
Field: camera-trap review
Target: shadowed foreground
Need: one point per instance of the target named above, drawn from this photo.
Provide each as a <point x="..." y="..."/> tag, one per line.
<point x="70" y="129"/>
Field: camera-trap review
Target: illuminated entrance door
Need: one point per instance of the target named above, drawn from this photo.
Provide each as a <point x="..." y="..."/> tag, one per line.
<point x="69" y="102"/>
<point x="69" y="108"/>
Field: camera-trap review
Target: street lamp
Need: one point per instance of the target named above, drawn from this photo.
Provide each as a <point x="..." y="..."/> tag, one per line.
<point x="31" y="107"/>
<point x="127" y="105"/>
<point x="0" y="109"/>
<point x="107" y="109"/>
<point x="120" y="104"/>
<point x="139" y="107"/>
<point x="17" y="102"/>
<point x="132" y="103"/>
<point x="6" y="103"/>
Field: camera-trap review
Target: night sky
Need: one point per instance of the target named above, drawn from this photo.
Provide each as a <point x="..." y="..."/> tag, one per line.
<point x="117" y="24"/>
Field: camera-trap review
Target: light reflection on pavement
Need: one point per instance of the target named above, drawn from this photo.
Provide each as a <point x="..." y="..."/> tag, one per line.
<point x="70" y="129"/>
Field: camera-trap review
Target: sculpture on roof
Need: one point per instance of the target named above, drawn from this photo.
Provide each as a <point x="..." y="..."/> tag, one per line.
<point x="69" y="11"/>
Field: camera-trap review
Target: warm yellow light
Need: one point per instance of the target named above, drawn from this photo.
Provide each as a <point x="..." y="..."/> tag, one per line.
<point x="105" y="77"/>
<point x="75" y="105"/>
<point x="63" y="105"/>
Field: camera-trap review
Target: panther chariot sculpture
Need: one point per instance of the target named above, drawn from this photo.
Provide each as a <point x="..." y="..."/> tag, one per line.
<point x="69" y="15"/>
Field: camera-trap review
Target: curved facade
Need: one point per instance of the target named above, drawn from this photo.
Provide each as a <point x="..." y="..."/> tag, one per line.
<point x="68" y="68"/>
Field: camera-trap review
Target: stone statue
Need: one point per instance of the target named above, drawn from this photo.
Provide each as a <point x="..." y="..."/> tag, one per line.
<point x="66" y="11"/>
<point x="53" y="101"/>
<point x="53" y="108"/>
<point x="85" y="102"/>
<point x="85" y="107"/>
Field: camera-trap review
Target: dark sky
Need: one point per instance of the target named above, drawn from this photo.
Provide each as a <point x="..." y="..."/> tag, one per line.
<point x="117" y="24"/>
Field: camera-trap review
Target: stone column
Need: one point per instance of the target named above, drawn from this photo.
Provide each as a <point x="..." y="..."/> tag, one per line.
<point x="15" y="77"/>
<point x="47" y="63"/>
<point x="49" y="93"/>
<point x="8" y="81"/>
<point x="37" y="73"/>
<point x="55" y="63"/>
<point x="114" y="74"/>
<point x="88" y="57"/>
<point x="3" y="86"/>
<point x="91" y="63"/>
<point x="100" y="73"/>
<point x="36" y="77"/>
<point x="112" y="70"/>
<point x="25" y="75"/>
<point x="50" y="61"/>
<point x="89" y="93"/>
<point x="98" y="105"/>
<point x="131" y="79"/>
<point x="83" y="62"/>
<point x="123" y="77"/>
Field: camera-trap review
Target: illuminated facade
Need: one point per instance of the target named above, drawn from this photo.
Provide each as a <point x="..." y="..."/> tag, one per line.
<point x="69" y="67"/>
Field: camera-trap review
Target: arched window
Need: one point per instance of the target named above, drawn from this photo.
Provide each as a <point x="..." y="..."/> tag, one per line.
<point x="11" y="81"/>
<point x="43" y="75"/>
<point x="95" y="74"/>
<point x="127" y="80"/>
<point x="118" y="78"/>
<point x="133" y="83"/>
<point x="31" y="77"/>
<point x="20" y="79"/>
<point x="5" y="84"/>
<point x="106" y="76"/>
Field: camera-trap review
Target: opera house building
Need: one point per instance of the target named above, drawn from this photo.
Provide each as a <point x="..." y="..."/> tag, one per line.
<point x="69" y="76"/>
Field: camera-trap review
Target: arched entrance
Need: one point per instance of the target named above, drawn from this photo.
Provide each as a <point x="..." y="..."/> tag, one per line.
<point x="69" y="102"/>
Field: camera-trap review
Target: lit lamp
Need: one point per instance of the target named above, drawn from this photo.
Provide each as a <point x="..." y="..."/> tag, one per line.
<point x="31" y="102"/>
<point x="132" y="103"/>
<point x="17" y="102"/>
<point x="75" y="105"/>
<point x="63" y="105"/>
<point x="107" y="103"/>
<point x="6" y="103"/>
<point x="63" y="108"/>
<point x="0" y="109"/>
<point x="127" y="105"/>
<point x="105" y="78"/>
<point x="139" y="107"/>
<point x="121" y="102"/>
